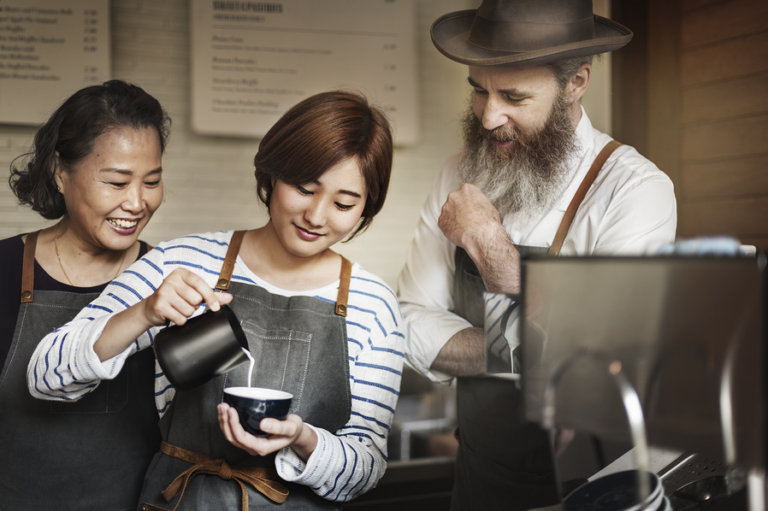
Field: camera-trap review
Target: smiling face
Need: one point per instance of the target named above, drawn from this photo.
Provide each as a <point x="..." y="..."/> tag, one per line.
<point x="310" y="218"/>
<point x="520" y="135"/>
<point x="512" y="98"/>
<point x="112" y="193"/>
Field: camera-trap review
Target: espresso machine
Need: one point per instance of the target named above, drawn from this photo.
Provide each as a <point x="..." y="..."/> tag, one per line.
<point x="667" y="352"/>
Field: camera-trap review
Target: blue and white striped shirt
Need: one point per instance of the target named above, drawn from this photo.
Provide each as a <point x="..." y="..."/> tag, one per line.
<point x="346" y="463"/>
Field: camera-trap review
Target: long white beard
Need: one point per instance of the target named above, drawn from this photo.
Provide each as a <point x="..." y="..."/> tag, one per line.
<point x="527" y="180"/>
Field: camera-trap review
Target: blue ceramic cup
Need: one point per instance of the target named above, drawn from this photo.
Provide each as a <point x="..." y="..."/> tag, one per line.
<point x="254" y="403"/>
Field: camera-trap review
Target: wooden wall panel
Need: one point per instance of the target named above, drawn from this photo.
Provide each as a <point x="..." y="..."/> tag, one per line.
<point x="730" y="59"/>
<point x="722" y="21"/>
<point x="732" y="98"/>
<point x="733" y="138"/>
<point x="729" y="177"/>
<point x="723" y="120"/>
<point x="707" y="112"/>
<point x="742" y="218"/>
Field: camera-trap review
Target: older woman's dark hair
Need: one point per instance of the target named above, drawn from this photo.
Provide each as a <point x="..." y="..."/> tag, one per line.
<point x="72" y="131"/>
<point x="320" y="132"/>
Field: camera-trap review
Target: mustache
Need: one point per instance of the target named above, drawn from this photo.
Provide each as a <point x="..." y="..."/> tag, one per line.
<point x="503" y="133"/>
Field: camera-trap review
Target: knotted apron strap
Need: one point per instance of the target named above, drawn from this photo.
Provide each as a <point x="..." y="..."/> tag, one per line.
<point x="225" y="277"/>
<point x="343" y="295"/>
<point x="565" y="225"/>
<point x="264" y="479"/>
<point x="28" y="268"/>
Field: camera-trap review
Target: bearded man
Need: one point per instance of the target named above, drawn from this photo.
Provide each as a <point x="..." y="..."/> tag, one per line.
<point x="530" y="155"/>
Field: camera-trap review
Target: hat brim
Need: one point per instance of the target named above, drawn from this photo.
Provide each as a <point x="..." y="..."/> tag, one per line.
<point x="450" y="35"/>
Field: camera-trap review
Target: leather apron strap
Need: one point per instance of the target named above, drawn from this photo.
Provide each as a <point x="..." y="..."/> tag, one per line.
<point x="225" y="276"/>
<point x="264" y="480"/>
<point x="343" y="295"/>
<point x="565" y="225"/>
<point x="28" y="268"/>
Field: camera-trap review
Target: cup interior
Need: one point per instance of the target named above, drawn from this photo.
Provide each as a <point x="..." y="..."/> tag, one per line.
<point x="258" y="394"/>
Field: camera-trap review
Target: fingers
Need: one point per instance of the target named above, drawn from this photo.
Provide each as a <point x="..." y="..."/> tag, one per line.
<point x="180" y="294"/>
<point x="281" y="433"/>
<point x="224" y="424"/>
<point x="229" y="423"/>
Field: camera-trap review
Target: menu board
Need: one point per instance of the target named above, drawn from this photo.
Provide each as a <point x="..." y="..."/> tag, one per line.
<point x="252" y="61"/>
<point x="48" y="50"/>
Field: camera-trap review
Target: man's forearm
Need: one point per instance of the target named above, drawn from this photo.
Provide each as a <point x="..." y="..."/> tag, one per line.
<point x="470" y="221"/>
<point x="498" y="262"/>
<point x="463" y="354"/>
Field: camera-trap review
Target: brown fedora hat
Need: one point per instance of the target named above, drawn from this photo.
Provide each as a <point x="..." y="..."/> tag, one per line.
<point x="523" y="32"/>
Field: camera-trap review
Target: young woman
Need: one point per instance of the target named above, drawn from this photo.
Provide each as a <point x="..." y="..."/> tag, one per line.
<point x="319" y="327"/>
<point x="97" y="166"/>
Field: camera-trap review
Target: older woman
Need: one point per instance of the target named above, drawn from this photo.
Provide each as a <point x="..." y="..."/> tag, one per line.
<point x="324" y="329"/>
<point x="96" y="165"/>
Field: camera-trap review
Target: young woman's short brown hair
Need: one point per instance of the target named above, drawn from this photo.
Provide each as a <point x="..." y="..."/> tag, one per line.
<point x="320" y="132"/>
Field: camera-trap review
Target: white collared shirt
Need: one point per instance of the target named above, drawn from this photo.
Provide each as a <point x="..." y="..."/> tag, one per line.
<point x="629" y="210"/>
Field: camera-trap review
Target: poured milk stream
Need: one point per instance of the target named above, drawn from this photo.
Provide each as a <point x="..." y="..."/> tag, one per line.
<point x="250" y="364"/>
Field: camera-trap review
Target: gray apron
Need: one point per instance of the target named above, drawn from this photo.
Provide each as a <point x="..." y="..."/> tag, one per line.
<point x="83" y="455"/>
<point x="503" y="461"/>
<point x="299" y="344"/>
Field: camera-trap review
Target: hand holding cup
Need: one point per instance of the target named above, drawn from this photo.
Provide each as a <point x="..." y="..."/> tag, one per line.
<point x="257" y="421"/>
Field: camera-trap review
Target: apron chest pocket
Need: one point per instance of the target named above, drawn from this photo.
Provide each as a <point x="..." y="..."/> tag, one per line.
<point x="281" y="360"/>
<point x="109" y="397"/>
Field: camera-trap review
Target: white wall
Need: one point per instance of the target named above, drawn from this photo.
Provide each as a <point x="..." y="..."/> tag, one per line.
<point x="209" y="182"/>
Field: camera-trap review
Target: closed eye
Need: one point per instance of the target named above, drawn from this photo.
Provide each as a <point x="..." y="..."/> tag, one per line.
<point x="303" y="190"/>
<point x="513" y="99"/>
<point x="344" y="207"/>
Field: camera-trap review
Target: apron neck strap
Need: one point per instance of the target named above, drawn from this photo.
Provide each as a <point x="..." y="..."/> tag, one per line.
<point x="225" y="277"/>
<point x="344" y="277"/>
<point x="565" y="225"/>
<point x="28" y="268"/>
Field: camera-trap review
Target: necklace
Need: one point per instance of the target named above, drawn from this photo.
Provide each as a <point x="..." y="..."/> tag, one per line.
<point x="56" y="246"/>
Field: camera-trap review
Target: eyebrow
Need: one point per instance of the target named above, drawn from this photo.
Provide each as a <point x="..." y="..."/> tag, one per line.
<point x="509" y="92"/>
<point x="125" y="172"/>
<point x="349" y="192"/>
<point x="343" y="192"/>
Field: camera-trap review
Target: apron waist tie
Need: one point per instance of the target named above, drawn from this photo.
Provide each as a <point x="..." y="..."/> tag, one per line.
<point x="263" y="479"/>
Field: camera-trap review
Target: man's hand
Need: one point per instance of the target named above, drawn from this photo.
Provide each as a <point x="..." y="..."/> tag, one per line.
<point x="470" y="221"/>
<point x="468" y="218"/>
